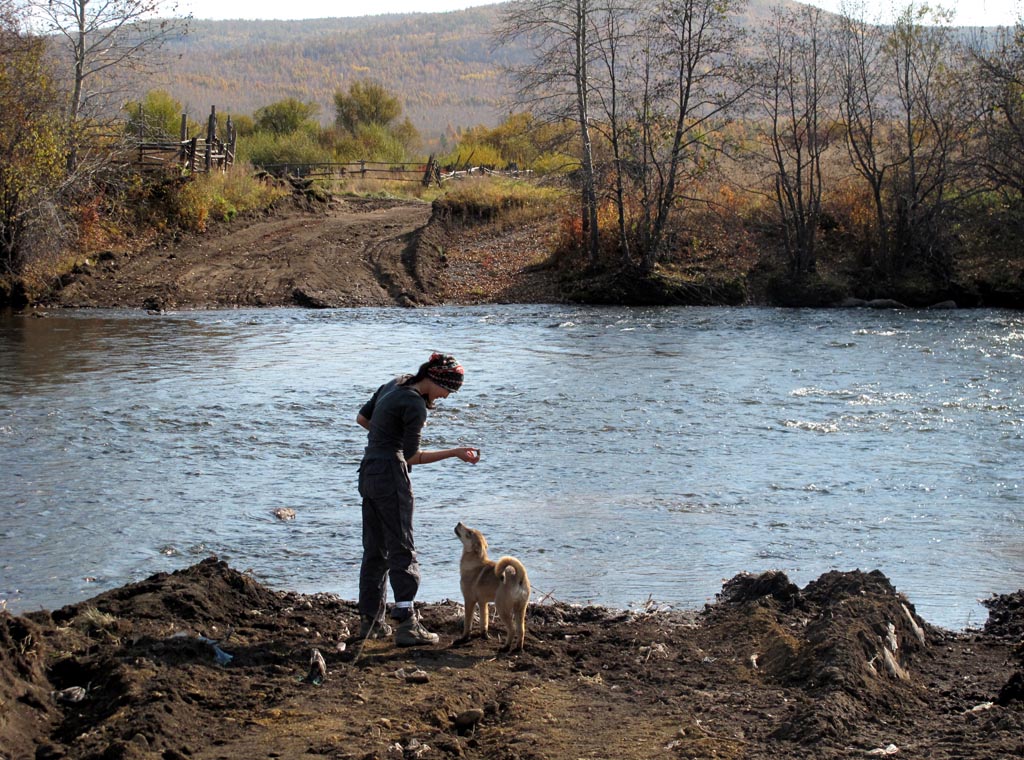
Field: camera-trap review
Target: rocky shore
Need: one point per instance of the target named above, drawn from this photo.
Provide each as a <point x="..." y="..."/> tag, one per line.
<point x="209" y="663"/>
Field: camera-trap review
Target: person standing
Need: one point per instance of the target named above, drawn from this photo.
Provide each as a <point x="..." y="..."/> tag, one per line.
<point x="394" y="418"/>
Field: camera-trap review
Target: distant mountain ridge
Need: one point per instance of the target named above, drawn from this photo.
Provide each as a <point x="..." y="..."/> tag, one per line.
<point x="444" y="67"/>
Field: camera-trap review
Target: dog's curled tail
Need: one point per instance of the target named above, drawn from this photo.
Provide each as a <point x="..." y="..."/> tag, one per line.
<point x="511" y="570"/>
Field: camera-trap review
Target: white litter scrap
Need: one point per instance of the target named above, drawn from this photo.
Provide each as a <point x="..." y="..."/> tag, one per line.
<point x="890" y="749"/>
<point x="890" y="638"/>
<point x="918" y="631"/>
<point x="70" y="694"/>
<point x="317" y="669"/>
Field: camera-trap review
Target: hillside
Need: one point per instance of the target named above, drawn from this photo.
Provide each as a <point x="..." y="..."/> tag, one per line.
<point x="445" y="67"/>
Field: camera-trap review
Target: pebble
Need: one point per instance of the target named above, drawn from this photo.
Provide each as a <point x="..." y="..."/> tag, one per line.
<point x="467" y="719"/>
<point x="417" y="676"/>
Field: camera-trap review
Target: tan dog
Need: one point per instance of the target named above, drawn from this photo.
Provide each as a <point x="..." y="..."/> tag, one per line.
<point x="483" y="580"/>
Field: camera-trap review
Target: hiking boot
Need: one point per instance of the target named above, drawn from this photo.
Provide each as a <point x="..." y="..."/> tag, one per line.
<point x="411" y="633"/>
<point x="369" y="630"/>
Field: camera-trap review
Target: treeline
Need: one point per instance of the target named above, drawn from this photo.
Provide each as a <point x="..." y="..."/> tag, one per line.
<point x="893" y="148"/>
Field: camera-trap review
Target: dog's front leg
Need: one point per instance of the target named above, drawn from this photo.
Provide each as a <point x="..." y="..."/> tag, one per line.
<point x="467" y="625"/>
<point x="484" y="615"/>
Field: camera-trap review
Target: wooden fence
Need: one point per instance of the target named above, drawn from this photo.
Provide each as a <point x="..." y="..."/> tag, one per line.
<point x="197" y="154"/>
<point x="421" y="172"/>
<point x="424" y="173"/>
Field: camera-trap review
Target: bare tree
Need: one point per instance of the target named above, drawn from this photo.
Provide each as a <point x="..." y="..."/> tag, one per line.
<point x="690" y="63"/>
<point x="796" y="95"/>
<point x="998" y="77"/>
<point x="862" y="75"/>
<point x="933" y="125"/>
<point x="556" y="84"/>
<point x="615" y="35"/>
<point x="104" y="40"/>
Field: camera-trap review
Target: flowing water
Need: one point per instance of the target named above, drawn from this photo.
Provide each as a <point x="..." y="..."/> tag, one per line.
<point x="628" y="454"/>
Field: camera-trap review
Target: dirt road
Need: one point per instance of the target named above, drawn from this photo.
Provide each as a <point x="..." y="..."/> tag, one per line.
<point x="358" y="252"/>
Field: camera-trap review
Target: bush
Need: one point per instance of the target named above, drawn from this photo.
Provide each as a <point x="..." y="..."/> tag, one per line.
<point x="265" y="149"/>
<point x="370" y="142"/>
<point x="489" y="198"/>
<point x="220" y="196"/>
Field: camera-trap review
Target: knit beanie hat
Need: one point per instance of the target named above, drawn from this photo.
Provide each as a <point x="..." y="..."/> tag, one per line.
<point x="445" y="371"/>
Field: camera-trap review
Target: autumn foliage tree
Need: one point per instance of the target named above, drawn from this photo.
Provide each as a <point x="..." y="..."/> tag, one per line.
<point x="367" y="124"/>
<point x="286" y="116"/>
<point x="31" y="154"/>
<point x="103" y="44"/>
<point x="156" y="116"/>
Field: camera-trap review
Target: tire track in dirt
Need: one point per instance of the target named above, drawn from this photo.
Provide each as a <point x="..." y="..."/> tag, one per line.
<point x="359" y="252"/>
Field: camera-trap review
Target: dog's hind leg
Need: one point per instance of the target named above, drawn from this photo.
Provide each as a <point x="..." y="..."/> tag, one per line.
<point x="520" y="627"/>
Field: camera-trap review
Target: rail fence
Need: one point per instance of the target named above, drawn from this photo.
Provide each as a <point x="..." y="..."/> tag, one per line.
<point x="425" y="173"/>
<point x="197" y="154"/>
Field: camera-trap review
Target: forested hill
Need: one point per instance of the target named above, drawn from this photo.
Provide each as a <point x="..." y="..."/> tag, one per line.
<point x="445" y="67"/>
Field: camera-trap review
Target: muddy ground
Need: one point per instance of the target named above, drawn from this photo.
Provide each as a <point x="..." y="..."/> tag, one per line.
<point x="348" y="252"/>
<point x="841" y="668"/>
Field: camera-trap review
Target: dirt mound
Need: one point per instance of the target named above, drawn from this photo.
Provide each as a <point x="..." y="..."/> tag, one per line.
<point x="209" y="593"/>
<point x="848" y="641"/>
<point x="206" y="663"/>
<point x="26" y="709"/>
<point x="1005" y="615"/>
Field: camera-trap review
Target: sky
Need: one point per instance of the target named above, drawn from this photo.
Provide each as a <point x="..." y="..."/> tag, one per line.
<point x="968" y="12"/>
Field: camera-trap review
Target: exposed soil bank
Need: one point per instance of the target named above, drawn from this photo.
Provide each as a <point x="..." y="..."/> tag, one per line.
<point x="379" y="252"/>
<point x="841" y="668"/>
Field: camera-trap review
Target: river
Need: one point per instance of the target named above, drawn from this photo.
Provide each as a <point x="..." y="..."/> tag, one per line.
<point x="630" y="456"/>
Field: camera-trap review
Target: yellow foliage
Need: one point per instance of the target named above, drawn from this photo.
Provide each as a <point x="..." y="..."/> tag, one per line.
<point x="220" y="196"/>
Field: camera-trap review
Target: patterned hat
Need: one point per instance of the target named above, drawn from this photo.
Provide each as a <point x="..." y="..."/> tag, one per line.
<point x="445" y="371"/>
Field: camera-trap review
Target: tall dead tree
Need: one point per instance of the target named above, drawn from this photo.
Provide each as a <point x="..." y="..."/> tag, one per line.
<point x="556" y="84"/>
<point x="865" y="103"/>
<point x="690" y="65"/>
<point x="933" y="125"/>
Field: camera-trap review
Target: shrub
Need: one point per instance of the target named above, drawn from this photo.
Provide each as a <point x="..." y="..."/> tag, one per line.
<point x="491" y="198"/>
<point x="265" y="149"/>
<point x="220" y="196"/>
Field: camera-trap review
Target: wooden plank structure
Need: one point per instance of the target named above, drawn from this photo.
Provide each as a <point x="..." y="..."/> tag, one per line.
<point x="421" y="172"/>
<point x="424" y="173"/>
<point x="195" y="154"/>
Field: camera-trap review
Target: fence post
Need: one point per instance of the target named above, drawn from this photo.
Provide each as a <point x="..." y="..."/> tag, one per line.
<point x="182" y="138"/>
<point x="229" y="152"/>
<point x="428" y="173"/>
<point x="211" y="135"/>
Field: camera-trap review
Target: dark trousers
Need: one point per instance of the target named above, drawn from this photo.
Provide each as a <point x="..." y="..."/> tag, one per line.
<point x="388" y="546"/>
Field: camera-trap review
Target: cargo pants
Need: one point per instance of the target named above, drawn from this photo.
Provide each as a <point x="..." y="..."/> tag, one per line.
<point x="388" y="546"/>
